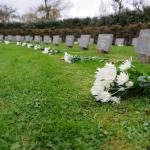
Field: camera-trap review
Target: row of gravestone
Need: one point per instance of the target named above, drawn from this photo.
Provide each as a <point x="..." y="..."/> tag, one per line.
<point x="104" y="42"/>
<point x="84" y="41"/>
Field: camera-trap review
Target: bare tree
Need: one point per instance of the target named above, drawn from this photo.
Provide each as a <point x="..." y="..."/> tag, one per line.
<point x="138" y="5"/>
<point x="49" y="10"/>
<point x="118" y="6"/>
<point x="7" y="14"/>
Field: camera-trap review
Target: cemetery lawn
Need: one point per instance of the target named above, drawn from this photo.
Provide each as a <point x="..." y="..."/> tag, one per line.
<point x="46" y="104"/>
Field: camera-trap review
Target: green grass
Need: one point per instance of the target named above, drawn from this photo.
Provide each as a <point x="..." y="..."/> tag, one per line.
<point x="46" y="104"/>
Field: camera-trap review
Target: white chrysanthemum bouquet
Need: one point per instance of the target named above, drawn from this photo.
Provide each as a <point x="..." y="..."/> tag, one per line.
<point x="114" y="82"/>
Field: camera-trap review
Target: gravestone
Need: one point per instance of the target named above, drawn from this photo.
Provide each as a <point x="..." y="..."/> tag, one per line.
<point x="104" y="42"/>
<point x="6" y="38"/>
<point x="28" y="38"/>
<point x="69" y="40"/>
<point x="91" y="41"/>
<point x="119" y="41"/>
<point x="78" y="40"/>
<point x="84" y="42"/>
<point x="60" y="39"/>
<point x="1" y="37"/>
<point x="10" y="37"/>
<point x="56" y="39"/>
<point x="143" y="46"/>
<point x="47" y="39"/>
<point x="134" y="42"/>
<point x="13" y="38"/>
<point x="19" y="38"/>
<point x="37" y="38"/>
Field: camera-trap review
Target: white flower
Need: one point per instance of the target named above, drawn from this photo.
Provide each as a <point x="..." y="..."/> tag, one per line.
<point x="126" y="65"/>
<point x="122" y="89"/>
<point x="29" y="45"/>
<point x="36" y="47"/>
<point x="115" y="100"/>
<point x="107" y="84"/>
<point x="99" y="93"/>
<point x="46" y="50"/>
<point x="129" y="84"/>
<point x="122" y="78"/>
<point x="97" y="88"/>
<point x="24" y="44"/>
<point x="68" y="58"/>
<point x="105" y="97"/>
<point x="108" y="72"/>
<point x="6" y="42"/>
<point x="18" y="43"/>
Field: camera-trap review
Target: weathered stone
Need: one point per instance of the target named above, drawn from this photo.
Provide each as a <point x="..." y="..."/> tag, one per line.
<point x="91" y="41"/>
<point x="28" y="38"/>
<point x="134" y="42"/>
<point x="84" y="42"/>
<point x="69" y="40"/>
<point x="143" y="46"/>
<point x="1" y="37"/>
<point x="19" y="38"/>
<point x="104" y="42"/>
<point x="47" y="39"/>
<point x="56" y="39"/>
<point x="119" y="41"/>
<point x="37" y="38"/>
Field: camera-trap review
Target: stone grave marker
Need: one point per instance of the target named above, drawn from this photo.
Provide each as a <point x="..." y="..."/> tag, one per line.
<point x="56" y="39"/>
<point x="119" y="41"/>
<point x="19" y="38"/>
<point x="134" y="42"/>
<point x="104" y="42"/>
<point x="37" y="38"/>
<point x="47" y="39"/>
<point x="84" y="42"/>
<point x="69" y="40"/>
<point x="28" y="38"/>
<point x="91" y="41"/>
<point x="1" y="37"/>
<point x="143" y="46"/>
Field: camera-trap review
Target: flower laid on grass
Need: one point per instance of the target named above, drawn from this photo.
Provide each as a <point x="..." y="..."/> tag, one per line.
<point x="52" y="52"/>
<point x="68" y="58"/>
<point x="46" y="50"/>
<point x="18" y="43"/>
<point x="6" y="42"/>
<point x="30" y="45"/>
<point x="113" y="83"/>
<point x="36" y="47"/>
<point x="24" y="44"/>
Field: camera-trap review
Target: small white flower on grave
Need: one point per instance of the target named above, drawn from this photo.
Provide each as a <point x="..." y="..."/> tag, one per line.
<point x="46" y="50"/>
<point x="36" y="47"/>
<point x="129" y="84"/>
<point x="122" y="78"/>
<point x="18" y="43"/>
<point x="29" y="45"/>
<point x="126" y="65"/>
<point x="6" y="42"/>
<point x="24" y="44"/>
<point x="68" y="58"/>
